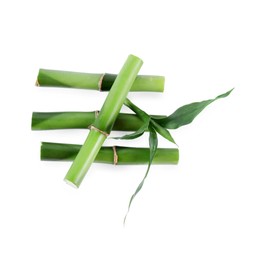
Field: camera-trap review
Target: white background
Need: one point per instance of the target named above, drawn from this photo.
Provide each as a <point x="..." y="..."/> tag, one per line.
<point x="207" y="207"/>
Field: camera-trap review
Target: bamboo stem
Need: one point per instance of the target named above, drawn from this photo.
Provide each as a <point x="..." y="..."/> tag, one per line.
<point x="98" y="81"/>
<point x="81" y="120"/>
<point x="125" y="155"/>
<point x="104" y="122"/>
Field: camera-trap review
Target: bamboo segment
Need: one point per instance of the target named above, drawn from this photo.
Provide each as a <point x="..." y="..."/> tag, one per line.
<point x="125" y="155"/>
<point x="61" y="120"/>
<point x="102" y="82"/>
<point x="103" y="124"/>
<point x="56" y="78"/>
<point x="81" y="120"/>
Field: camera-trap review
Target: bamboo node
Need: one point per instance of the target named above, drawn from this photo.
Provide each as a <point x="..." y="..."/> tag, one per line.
<point x="98" y="130"/>
<point x="100" y="82"/>
<point x="37" y="83"/>
<point x="115" y="155"/>
<point x="96" y="113"/>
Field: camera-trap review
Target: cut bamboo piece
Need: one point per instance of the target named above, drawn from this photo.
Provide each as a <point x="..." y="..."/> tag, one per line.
<point x="101" y="82"/>
<point x="118" y="155"/>
<point x="103" y="124"/>
<point x="82" y="120"/>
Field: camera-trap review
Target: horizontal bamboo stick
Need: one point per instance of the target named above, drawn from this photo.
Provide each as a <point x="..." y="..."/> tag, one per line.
<point x="98" y="81"/>
<point x="118" y="155"/>
<point x="81" y="120"/>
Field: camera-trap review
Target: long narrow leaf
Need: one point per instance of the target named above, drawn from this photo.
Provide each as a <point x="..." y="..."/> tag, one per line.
<point x="153" y="120"/>
<point x="153" y="143"/>
<point x="139" y="112"/>
<point x="162" y="131"/>
<point x="186" y="114"/>
<point x="136" y="134"/>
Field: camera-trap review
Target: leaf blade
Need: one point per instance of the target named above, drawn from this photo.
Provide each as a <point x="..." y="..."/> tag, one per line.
<point x="139" y="112"/>
<point x="153" y="144"/>
<point x="187" y="113"/>
<point x="136" y="134"/>
<point x="162" y="131"/>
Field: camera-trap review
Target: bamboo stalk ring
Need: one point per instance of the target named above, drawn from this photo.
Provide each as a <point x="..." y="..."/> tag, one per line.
<point x="37" y="84"/>
<point x="115" y="155"/>
<point x="96" y="113"/>
<point x="100" y="82"/>
<point x="98" y="130"/>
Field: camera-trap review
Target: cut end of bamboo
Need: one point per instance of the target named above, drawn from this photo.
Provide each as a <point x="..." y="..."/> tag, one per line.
<point x="71" y="184"/>
<point x="162" y="85"/>
<point x="37" y="84"/>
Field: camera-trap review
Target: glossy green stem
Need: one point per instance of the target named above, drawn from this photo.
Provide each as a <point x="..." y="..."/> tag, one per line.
<point x="103" y="124"/>
<point x="125" y="155"/>
<point x="98" y="81"/>
<point x="81" y="120"/>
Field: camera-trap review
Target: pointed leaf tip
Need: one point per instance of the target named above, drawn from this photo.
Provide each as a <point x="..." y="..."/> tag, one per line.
<point x="153" y="143"/>
<point x="136" y="134"/>
<point x="187" y="113"/>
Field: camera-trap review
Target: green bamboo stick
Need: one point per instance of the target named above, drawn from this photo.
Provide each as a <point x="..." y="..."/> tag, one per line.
<point x="118" y="155"/>
<point x="102" y="82"/>
<point x="82" y="120"/>
<point x="104" y="122"/>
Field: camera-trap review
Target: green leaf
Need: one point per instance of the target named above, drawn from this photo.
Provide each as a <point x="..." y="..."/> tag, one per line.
<point x="162" y="131"/>
<point x="186" y="114"/>
<point x="144" y="116"/>
<point x="157" y="117"/>
<point x="139" y="112"/>
<point x="153" y="143"/>
<point x="136" y="134"/>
